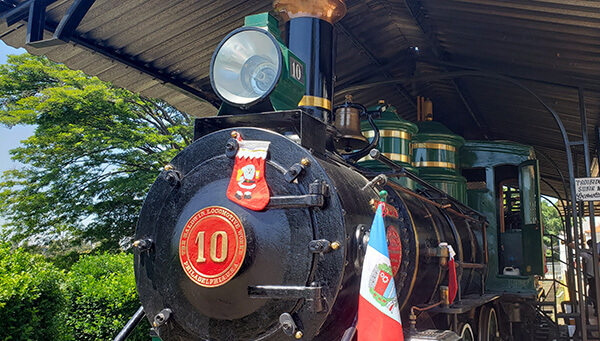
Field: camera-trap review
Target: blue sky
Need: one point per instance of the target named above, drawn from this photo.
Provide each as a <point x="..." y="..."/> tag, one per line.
<point x="10" y="138"/>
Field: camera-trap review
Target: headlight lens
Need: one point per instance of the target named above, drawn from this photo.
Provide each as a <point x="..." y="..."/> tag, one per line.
<point x="246" y="66"/>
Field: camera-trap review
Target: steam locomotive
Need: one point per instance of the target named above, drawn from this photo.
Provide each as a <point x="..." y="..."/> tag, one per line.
<point x="257" y="230"/>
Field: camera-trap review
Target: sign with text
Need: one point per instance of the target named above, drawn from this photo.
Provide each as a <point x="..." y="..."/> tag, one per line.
<point x="587" y="189"/>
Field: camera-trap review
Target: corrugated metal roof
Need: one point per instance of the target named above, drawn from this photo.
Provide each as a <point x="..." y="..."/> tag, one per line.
<point x="551" y="46"/>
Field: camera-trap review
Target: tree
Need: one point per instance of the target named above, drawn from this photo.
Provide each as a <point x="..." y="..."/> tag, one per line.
<point x="95" y="152"/>
<point x="553" y="225"/>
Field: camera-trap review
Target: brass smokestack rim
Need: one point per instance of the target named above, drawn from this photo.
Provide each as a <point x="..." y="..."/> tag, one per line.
<point x="331" y="11"/>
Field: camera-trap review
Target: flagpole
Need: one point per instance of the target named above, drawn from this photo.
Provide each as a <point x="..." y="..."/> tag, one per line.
<point x="349" y="333"/>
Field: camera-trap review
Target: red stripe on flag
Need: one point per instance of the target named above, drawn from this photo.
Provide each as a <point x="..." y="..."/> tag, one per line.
<point x="373" y="325"/>
<point x="452" y="282"/>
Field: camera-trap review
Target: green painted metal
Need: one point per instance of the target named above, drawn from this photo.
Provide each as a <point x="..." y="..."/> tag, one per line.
<point x="453" y="184"/>
<point x="488" y="155"/>
<point x="289" y="91"/>
<point x="266" y="20"/>
<point x="492" y="153"/>
<point x="533" y="249"/>
<point x="435" y="154"/>
<point x="394" y="142"/>
<point x="436" y="144"/>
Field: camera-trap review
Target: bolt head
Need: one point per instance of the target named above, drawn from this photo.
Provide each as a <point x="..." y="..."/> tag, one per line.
<point x="305" y="162"/>
<point x="298" y="335"/>
<point x="234" y="134"/>
<point x="168" y="167"/>
<point x="335" y="245"/>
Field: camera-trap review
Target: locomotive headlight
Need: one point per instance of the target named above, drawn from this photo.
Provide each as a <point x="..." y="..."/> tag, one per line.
<point x="246" y="66"/>
<point x="251" y="69"/>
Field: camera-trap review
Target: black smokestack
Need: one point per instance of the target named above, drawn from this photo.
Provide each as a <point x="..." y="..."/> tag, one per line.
<point x="309" y="34"/>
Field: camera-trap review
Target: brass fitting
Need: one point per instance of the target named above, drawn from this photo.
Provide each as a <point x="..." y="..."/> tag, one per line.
<point x="372" y="202"/>
<point x="413" y="322"/>
<point x="298" y="335"/>
<point x="168" y="167"/>
<point x="329" y="10"/>
<point x="444" y="254"/>
<point x="305" y="162"/>
<point x="335" y="245"/>
<point x="444" y="296"/>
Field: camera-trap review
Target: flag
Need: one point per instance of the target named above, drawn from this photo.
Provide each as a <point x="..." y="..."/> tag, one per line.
<point x="452" y="282"/>
<point x="378" y="310"/>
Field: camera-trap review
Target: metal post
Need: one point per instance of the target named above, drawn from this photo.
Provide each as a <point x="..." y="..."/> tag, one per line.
<point x="584" y="133"/>
<point x="130" y="326"/>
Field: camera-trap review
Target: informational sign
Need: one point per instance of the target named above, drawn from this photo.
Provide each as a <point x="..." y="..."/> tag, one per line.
<point x="587" y="189"/>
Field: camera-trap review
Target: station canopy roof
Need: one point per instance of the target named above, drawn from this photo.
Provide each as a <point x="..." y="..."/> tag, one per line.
<point x="477" y="60"/>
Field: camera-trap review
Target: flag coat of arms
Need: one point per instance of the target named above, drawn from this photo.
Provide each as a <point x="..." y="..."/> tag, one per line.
<point x="378" y="310"/>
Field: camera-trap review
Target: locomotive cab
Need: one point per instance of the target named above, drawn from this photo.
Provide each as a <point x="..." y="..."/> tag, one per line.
<point x="503" y="182"/>
<point x="519" y="220"/>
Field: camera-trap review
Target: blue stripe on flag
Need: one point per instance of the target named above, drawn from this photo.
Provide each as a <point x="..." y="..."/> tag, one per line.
<point x="377" y="239"/>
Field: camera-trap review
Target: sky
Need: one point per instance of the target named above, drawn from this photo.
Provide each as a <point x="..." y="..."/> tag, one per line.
<point x="10" y="138"/>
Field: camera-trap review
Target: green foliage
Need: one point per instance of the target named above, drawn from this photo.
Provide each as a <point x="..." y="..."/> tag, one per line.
<point x="31" y="299"/>
<point x="552" y="221"/>
<point x="95" y="152"/>
<point x="553" y="225"/>
<point x="103" y="297"/>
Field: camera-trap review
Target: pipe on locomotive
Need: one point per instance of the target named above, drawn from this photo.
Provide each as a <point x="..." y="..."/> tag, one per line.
<point x="309" y="34"/>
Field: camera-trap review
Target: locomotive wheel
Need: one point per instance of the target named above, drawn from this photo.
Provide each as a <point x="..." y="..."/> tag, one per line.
<point x="488" y="325"/>
<point x="466" y="333"/>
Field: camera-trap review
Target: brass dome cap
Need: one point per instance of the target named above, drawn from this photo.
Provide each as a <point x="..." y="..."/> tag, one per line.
<point x="329" y="10"/>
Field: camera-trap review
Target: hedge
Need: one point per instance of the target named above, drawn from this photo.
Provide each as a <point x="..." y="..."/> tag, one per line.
<point x="31" y="299"/>
<point x="92" y="301"/>
<point x="102" y="298"/>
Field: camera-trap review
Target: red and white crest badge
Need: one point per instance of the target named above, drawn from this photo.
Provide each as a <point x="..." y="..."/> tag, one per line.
<point x="248" y="186"/>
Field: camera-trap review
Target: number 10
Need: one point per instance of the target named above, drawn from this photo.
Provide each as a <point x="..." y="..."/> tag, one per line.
<point x="213" y="247"/>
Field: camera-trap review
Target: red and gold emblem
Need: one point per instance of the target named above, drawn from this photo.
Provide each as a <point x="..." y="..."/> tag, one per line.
<point x="388" y="210"/>
<point x="394" y="248"/>
<point x="212" y="246"/>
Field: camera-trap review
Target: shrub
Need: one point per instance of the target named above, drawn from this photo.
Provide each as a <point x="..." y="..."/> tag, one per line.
<point x="103" y="297"/>
<point x="31" y="299"/>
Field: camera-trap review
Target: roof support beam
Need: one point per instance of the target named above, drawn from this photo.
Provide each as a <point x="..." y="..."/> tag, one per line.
<point x="17" y="13"/>
<point x="35" y="23"/>
<point x="550" y="77"/>
<point x="72" y="19"/>
<point x="66" y="29"/>
<point x="411" y="99"/>
<point x="415" y="9"/>
<point x="164" y="77"/>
